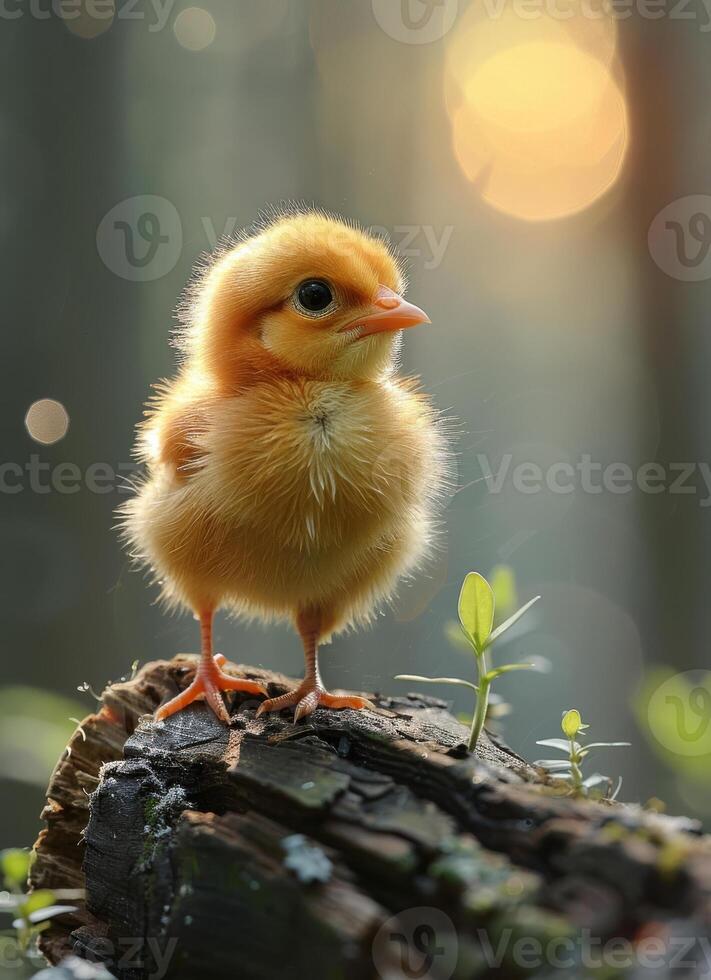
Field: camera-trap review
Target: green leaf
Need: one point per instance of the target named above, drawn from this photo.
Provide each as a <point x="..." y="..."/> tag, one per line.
<point x="606" y="745"/>
<point x="571" y="723"/>
<point x="37" y="900"/>
<point x="558" y="743"/>
<point x="476" y="609"/>
<point x="596" y="780"/>
<point x="503" y="584"/>
<point x="435" y="680"/>
<point x="15" y="866"/>
<point x="552" y="763"/>
<point x="507" y="668"/>
<point x="512" y="620"/>
<point x="45" y="914"/>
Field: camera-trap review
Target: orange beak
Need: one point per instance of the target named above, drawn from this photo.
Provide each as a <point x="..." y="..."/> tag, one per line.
<point x="388" y="312"/>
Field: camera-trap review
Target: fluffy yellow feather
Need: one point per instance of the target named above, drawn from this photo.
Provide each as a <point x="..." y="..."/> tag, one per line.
<point x="291" y="473"/>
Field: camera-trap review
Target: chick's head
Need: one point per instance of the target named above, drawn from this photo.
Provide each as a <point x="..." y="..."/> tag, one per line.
<point x="309" y="295"/>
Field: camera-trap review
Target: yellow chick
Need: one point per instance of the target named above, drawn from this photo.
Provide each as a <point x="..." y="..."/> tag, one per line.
<point x="291" y="474"/>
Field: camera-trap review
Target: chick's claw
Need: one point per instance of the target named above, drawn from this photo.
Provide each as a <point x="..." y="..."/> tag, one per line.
<point x="209" y="682"/>
<point x="306" y="698"/>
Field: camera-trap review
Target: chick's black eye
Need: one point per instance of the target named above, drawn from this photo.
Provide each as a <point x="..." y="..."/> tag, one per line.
<point x="314" y="296"/>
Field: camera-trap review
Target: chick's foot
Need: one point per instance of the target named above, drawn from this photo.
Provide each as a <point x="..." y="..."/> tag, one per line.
<point x="210" y="681"/>
<point x="308" y="696"/>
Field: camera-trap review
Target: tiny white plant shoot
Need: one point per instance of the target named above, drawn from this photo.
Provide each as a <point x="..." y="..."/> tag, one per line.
<point x="569" y="769"/>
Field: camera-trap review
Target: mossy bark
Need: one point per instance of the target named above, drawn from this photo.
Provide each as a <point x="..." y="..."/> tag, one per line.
<point x="357" y="844"/>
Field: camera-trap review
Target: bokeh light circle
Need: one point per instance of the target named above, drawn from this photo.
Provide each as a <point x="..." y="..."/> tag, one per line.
<point x="89" y="18"/>
<point x="195" y="28"/>
<point x="47" y="421"/>
<point x="539" y="118"/>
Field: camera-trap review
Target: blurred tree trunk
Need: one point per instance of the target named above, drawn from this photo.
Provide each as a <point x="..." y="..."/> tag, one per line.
<point x="655" y="69"/>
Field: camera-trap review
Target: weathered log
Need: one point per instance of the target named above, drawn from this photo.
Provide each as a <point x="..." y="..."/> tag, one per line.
<point x="356" y="844"/>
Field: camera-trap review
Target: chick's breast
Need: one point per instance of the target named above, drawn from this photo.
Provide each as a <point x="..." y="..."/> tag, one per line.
<point x="307" y="492"/>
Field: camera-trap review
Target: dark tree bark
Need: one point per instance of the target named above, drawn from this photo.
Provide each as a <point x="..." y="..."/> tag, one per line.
<point x="265" y="849"/>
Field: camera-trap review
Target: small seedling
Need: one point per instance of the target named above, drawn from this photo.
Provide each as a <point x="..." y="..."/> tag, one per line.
<point x="476" y="618"/>
<point x="569" y="769"/>
<point x="32" y="911"/>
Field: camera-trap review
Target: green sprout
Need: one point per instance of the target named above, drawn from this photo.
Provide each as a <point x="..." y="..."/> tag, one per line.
<point x="569" y="769"/>
<point x="476" y="617"/>
<point x="32" y="911"/>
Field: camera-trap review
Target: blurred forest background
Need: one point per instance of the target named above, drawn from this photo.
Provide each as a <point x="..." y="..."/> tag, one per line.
<point x="519" y="162"/>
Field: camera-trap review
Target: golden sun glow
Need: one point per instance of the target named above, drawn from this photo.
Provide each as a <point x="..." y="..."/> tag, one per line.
<point x="539" y="122"/>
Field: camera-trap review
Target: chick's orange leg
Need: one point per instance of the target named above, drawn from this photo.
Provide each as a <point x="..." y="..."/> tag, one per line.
<point x="311" y="693"/>
<point x="210" y="680"/>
